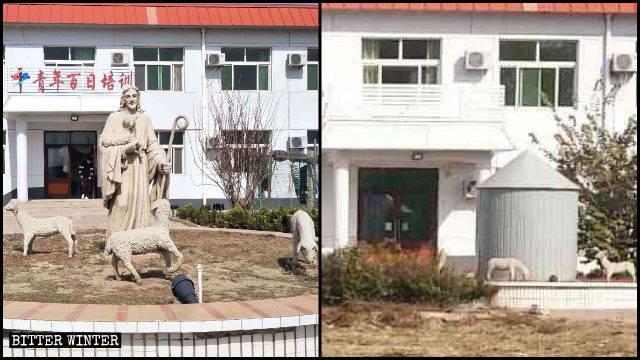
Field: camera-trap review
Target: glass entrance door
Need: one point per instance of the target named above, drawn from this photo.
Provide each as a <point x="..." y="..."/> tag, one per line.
<point x="64" y="152"/>
<point x="57" y="169"/>
<point x="398" y="208"/>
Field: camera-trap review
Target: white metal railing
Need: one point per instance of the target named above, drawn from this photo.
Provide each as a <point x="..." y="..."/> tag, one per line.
<point x="52" y="80"/>
<point x="453" y="102"/>
<point x="456" y="101"/>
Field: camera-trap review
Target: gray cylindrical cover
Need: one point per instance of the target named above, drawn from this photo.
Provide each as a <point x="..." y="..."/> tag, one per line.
<point x="536" y="226"/>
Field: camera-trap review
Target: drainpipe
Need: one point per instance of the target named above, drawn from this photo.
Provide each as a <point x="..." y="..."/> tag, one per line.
<point x="205" y="116"/>
<point x="606" y="68"/>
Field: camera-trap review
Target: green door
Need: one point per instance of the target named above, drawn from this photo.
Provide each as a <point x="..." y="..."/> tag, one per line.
<point x="398" y="208"/>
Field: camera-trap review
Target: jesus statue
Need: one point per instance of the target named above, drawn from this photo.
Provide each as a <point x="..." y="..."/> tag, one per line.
<point x="130" y="161"/>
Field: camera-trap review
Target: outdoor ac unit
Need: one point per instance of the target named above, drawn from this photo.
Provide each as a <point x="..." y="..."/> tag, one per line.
<point x="624" y="62"/>
<point x="296" y="59"/>
<point x="215" y="59"/>
<point x="297" y="142"/>
<point x="469" y="189"/>
<point x="119" y="59"/>
<point x="476" y="60"/>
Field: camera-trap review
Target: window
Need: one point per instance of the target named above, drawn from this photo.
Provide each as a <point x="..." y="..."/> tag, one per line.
<point x="312" y="139"/>
<point x="312" y="69"/>
<point x="158" y="69"/>
<point x="247" y="69"/>
<point x="538" y="73"/>
<point x="57" y="56"/>
<point x="4" y="150"/>
<point x="400" y="61"/>
<point x="177" y="148"/>
<point x="241" y="146"/>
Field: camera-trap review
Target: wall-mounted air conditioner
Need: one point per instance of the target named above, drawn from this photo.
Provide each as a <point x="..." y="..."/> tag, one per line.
<point x="297" y="142"/>
<point x="624" y="62"/>
<point x="119" y="59"/>
<point x="215" y="59"/>
<point x="296" y="59"/>
<point x="469" y="189"/>
<point x="476" y="60"/>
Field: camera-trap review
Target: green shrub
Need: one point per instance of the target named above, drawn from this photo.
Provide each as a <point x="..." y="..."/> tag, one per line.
<point x="237" y="218"/>
<point x="372" y="274"/>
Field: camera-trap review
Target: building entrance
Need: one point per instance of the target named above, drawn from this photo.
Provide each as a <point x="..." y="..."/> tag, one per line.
<point x="64" y="151"/>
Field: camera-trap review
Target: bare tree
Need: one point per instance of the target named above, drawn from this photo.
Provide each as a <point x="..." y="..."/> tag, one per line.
<point x="237" y="144"/>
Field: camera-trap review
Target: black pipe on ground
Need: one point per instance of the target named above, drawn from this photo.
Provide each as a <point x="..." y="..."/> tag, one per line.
<point x="183" y="289"/>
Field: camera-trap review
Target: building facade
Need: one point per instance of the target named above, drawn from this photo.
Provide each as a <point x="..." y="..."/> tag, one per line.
<point x="79" y="57"/>
<point x="422" y="101"/>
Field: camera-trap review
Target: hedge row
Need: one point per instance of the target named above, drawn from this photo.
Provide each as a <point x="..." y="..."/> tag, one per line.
<point x="387" y="275"/>
<point x="237" y="218"/>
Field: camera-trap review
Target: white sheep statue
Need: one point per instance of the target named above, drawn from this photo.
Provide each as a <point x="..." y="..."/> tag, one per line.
<point x="123" y="244"/>
<point x="513" y="265"/>
<point x="304" y="236"/>
<point x="32" y="227"/>
<point x="584" y="266"/>
<point x="611" y="268"/>
<point x="442" y="260"/>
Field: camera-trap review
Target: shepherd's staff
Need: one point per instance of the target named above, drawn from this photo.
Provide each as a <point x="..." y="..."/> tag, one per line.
<point x="182" y="127"/>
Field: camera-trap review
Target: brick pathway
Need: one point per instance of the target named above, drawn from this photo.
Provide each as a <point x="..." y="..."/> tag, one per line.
<point x="234" y="310"/>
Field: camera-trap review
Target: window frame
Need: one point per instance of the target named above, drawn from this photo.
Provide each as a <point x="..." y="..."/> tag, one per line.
<point x="539" y="65"/>
<point x="401" y="62"/>
<point x="317" y="63"/>
<point x="173" y="149"/>
<point x="257" y="64"/>
<point x="146" y="63"/>
<point x="84" y="63"/>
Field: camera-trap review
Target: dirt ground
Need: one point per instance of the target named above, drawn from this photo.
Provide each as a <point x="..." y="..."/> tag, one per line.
<point x="235" y="267"/>
<point x="404" y="330"/>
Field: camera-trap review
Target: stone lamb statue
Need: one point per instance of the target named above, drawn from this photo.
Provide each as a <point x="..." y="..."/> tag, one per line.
<point x="123" y="244"/>
<point x="32" y="227"/>
<point x="122" y="138"/>
<point x="611" y="268"/>
<point x="513" y="265"/>
<point x="304" y="236"/>
<point x="584" y="266"/>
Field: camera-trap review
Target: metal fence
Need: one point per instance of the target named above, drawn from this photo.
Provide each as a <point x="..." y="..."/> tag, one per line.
<point x="293" y="180"/>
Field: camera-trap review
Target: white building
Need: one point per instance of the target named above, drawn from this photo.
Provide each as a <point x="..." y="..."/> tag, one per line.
<point x="162" y="49"/>
<point x="421" y="100"/>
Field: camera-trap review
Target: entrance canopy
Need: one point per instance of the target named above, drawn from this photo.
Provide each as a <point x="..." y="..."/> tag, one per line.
<point x="444" y="135"/>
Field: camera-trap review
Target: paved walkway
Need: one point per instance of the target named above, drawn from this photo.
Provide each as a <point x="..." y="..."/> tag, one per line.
<point x="232" y="310"/>
<point x="90" y="214"/>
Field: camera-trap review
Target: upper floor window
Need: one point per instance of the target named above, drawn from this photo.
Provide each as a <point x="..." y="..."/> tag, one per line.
<point x="312" y="69"/>
<point x="244" y="147"/>
<point x="69" y="56"/>
<point x="246" y="69"/>
<point x="158" y="68"/>
<point x="177" y="148"/>
<point x="400" y="61"/>
<point x="538" y="73"/>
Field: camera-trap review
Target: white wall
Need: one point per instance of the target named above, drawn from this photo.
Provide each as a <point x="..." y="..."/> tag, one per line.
<point x="297" y="107"/>
<point x="342" y="65"/>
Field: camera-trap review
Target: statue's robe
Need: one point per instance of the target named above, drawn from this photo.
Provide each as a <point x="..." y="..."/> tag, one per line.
<point x="126" y="192"/>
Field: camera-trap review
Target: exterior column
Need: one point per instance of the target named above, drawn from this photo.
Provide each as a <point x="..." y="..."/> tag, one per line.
<point x="21" y="160"/>
<point x="341" y="193"/>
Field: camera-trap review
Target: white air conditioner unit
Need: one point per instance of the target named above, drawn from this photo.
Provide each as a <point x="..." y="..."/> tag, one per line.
<point x="215" y="59"/>
<point x="624" y="62"/>
<point x="119" y="59"/>
<point x="469" y="189"/>
<point x="296" y="59"/>
<point x="297" y="142"/>
<point x="476" y="60"/>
